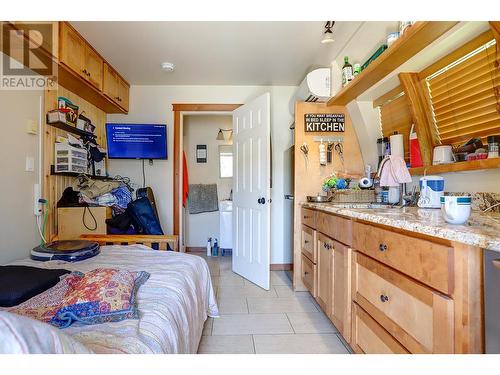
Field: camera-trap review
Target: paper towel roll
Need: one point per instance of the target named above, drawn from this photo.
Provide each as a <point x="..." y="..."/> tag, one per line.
<point x="397" y="147"/>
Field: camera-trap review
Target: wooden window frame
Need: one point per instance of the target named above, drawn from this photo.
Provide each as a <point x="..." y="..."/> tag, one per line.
<point x="415" y="87"/>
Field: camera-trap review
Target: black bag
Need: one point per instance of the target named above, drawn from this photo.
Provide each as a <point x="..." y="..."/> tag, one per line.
<point x="144" y="216"/>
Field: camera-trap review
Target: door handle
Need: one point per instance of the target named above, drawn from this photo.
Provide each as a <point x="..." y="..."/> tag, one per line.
<point x="289" y="197"/>
<point x="261" y="200"/>
<point x="496" y="263"/>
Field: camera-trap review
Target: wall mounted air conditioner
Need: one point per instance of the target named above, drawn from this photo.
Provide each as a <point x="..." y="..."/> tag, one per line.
<point x="314" y="88"/>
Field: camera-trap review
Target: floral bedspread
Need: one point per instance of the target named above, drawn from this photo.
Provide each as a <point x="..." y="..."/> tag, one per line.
<point x="173" y="304"/>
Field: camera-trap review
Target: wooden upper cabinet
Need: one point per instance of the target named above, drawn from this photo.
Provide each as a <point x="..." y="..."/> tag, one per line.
<point x="123" y="94"/>
<point x="72" y="49"/>
<point x="102" y="85"/>
<point x="115" y="87"/>
<point x="110" y="82"/>
<point x="93" y="67"/>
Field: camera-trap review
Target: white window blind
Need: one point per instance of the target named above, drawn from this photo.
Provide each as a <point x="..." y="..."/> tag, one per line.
<point x="465" y="96"/>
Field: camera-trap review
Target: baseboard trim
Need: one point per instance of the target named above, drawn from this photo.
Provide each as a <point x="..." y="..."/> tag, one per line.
<point x="282" y="267"/>
<point x="204" y="250"/>
<point x="196" y="249"/>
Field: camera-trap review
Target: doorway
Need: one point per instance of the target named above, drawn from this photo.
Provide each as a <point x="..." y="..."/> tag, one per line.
<point x="251" y="182"/>
<point x="180" y="110"/>
<point x="207" y="146"/>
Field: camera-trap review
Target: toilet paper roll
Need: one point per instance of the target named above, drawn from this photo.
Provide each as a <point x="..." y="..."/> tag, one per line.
<point x="397" y="147"/>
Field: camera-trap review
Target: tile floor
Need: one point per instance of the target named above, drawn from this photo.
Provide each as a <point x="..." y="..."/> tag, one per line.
<point x="254" y="320"/>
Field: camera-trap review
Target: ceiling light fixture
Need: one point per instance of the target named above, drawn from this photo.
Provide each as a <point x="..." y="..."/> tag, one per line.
<point x="328" y="34"/>
<point x="167" y="66"/>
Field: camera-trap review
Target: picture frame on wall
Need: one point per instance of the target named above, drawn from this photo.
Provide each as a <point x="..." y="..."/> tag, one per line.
<point x="201" y="153"/>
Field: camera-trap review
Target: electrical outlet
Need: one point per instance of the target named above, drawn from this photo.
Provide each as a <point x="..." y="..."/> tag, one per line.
<point x="37" y="195"/>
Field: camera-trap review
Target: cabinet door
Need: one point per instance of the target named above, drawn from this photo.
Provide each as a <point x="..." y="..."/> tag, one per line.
<point x="72" y="50"/>
<point x="123" y="93"/>
<point x="110" y="83"/>
<point x="93" y="67"/>
<point x="324" y="271"/>
<point x="341" y="290"/>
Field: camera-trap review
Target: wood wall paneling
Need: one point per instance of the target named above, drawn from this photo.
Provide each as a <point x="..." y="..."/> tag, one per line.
<point x="53" y="186"/>
<point x="309" y="175"/>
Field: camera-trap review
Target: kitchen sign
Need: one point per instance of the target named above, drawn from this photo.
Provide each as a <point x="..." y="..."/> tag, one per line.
<point x="324" y="122"/>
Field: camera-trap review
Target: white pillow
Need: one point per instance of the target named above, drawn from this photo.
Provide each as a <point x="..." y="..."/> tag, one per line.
<point x="22" y="335"/>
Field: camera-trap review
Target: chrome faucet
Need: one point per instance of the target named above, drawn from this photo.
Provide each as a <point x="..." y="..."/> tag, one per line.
<point x="408" y="199"/>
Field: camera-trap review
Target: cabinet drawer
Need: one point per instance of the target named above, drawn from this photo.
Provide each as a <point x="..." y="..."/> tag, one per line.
<point x="369" y="337"/>
<point x="335" y="227"/>
<point x="308" y="237"/>
<point x="308" y="217"/>
<point x="418" y="317"/>
<point x="426" y="261"/>
<point x="308" y="274"/>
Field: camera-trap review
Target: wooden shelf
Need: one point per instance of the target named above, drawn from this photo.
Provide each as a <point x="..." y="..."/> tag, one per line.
<point x="416" y="38"/>
<point x="457" y="167"/>
<point x="71" y="129"/>
<point x="74" y="174"/>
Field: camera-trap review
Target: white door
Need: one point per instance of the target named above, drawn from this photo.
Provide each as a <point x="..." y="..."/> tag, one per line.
<point x="251" y="190"/>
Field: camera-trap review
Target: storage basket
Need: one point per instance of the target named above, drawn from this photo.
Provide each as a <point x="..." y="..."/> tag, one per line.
<point x="352" y="196"/>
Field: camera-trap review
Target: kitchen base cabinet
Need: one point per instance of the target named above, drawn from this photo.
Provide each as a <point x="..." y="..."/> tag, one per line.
<point x="389" y="290"/>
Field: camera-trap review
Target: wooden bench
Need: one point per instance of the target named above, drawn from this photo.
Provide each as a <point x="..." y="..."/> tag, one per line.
<point x="158" y="241"/>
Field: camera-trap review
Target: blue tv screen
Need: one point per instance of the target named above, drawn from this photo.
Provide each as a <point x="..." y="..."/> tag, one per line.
<point x="136" y="141"/>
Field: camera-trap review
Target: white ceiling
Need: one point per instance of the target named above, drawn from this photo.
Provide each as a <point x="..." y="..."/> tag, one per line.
<point x="215" y="53"/>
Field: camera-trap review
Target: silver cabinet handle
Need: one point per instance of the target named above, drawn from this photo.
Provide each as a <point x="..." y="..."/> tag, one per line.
<point x="384" y="298"/>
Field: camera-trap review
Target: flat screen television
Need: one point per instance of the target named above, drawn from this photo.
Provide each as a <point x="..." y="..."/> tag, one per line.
<point x="136" y="141"/>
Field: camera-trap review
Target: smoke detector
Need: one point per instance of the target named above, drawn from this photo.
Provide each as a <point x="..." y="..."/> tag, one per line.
<point x="167" y="66"/>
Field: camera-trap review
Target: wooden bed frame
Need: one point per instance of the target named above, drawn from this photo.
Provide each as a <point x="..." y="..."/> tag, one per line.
<point x="158" y="242"/>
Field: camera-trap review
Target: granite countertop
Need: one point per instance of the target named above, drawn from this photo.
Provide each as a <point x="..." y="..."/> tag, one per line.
<point x="482" y="229"/>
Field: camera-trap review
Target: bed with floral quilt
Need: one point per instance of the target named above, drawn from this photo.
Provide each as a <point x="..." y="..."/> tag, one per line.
<point x="150" y="302"/>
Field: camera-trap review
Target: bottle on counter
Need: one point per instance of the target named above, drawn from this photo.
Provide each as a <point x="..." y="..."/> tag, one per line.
<point x="347" y="72"/>
<point x="356" y="70"/>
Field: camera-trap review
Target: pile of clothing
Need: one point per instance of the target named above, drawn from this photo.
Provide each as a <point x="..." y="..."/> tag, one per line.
<point x="112" y="193"/>
<point x="129" y="216"/>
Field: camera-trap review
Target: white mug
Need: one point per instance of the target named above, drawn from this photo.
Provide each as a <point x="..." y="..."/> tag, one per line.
<point x="443" y="155"/>
<point x="455" y="210"/>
